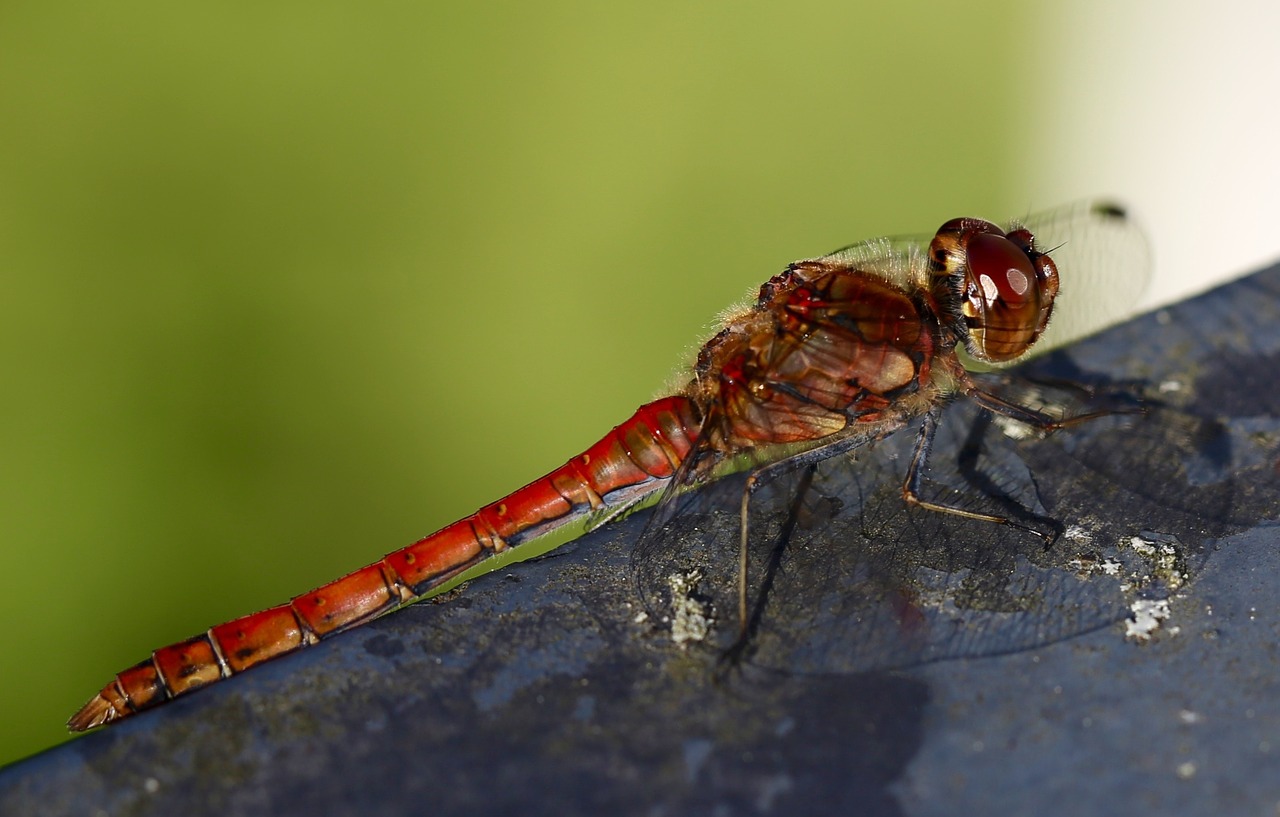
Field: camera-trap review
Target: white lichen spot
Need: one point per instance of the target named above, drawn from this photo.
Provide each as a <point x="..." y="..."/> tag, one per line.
<point x="1090" y="564"/>
<point x="1169" y="386"/>
<point x="1076" y="533"/>
<point x="1187" y="770"/>
<point x="691" y="618"/>
<point x="1083" y="565"/>
<point x="1145" y="617"/>
<point x="1166" y="561"/>
<point x="1189" y="717"/>
<point x="1142" y="547"/>
<point x="641" y="617"/>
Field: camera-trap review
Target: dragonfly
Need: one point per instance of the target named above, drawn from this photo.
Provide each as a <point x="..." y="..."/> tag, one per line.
<point x="835" y="353"/>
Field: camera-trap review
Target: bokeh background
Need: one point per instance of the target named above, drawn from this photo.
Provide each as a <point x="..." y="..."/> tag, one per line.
<point x="286" y="286"/>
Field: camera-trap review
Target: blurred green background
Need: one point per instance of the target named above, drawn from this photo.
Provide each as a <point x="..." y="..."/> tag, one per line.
<point x="287" y="286"/>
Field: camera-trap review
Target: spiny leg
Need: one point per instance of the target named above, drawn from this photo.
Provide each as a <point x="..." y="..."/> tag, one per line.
<point x="913" y="484"/>
<point x="748" y="615"/>
<point x="1037" y="419"/>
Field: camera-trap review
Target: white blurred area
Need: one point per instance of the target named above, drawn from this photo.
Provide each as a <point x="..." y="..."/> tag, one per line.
<point x="1174" y="109"/>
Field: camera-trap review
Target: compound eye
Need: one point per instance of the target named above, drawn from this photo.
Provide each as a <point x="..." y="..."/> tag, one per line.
<point x="1002" y="298"/>
<point x="1001" y="270"/>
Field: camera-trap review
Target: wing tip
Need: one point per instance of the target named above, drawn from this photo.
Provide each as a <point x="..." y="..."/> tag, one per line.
<point x="1109" y="208"/>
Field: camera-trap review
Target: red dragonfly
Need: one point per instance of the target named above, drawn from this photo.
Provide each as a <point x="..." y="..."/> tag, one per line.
<point x="836" y="352"/>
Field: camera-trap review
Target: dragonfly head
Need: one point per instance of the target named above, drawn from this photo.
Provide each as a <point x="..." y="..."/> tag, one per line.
<point x="996" y="286"/>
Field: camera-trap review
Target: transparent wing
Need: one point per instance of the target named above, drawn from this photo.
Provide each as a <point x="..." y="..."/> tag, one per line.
<point x="1104" y="264"/>
<point x="845" y="578"/>
<point x="1103" y="259"/>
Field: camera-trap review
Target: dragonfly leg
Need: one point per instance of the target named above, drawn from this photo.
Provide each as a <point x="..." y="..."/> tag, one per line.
<point x="1037" y="419"/>
<point x="748" y="614"/>
<point x="913" y="483"/>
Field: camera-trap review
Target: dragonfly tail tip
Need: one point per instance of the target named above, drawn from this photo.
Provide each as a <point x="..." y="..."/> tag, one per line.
<point x="96" y="712"/>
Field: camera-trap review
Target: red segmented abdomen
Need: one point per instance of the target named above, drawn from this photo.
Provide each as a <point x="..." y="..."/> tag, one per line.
<point x="634" y="459"/>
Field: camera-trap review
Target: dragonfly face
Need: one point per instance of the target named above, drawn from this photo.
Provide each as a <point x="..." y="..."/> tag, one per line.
<point x="999" y="285"/>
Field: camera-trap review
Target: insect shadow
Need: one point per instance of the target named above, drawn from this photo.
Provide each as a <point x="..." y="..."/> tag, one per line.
<point x="845" y="577"/>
